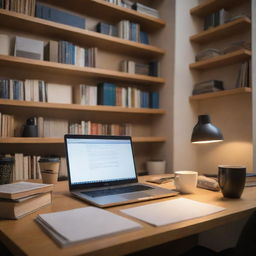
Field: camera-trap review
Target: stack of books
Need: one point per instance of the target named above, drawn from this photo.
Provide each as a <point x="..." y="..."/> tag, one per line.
<point x="215" y="19"/>
<point x="207" y="54"/>
<point x="145" y="9"/>
<point x="22" y="198"/>
<point x="208" y="86"/>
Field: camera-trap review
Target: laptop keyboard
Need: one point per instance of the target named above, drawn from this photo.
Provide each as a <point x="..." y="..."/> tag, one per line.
<point x="116" y="191"/>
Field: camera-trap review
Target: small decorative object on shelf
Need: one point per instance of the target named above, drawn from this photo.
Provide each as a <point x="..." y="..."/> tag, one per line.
<point x="30" y="128"/>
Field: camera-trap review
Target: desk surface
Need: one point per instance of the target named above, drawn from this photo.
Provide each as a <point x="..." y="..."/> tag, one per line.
<point x="24" y="236"/>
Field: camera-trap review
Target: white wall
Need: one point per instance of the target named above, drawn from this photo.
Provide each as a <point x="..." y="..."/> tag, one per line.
<point x="184" y="116"/>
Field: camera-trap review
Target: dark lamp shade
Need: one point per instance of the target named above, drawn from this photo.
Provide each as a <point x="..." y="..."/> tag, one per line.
<point x="205" y="132"/>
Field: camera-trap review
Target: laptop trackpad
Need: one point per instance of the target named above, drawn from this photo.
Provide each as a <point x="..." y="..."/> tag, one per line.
<point x="136" y="195"/>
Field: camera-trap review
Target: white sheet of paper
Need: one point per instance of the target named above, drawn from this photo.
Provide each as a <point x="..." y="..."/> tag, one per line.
<point x="171" y="211"/>
<point x="81" y="224"/>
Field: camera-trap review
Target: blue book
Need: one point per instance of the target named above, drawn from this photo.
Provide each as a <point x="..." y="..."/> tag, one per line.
<point x="106" y="94"/>
<point x="59" y="16"/>
<point x="133" y="34"/>
<point x="4" y="89"/>
<point x="16" y="90"/>
<point x="153" y="68"/>
<point x="103" y="28"/>
<point x="154" y="100"/>
<point x="144" y="37"/>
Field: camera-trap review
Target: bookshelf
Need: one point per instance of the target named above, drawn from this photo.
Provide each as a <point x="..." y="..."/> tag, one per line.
<point x="17" y="140"/>
<point x="231" y="109"/>
<point x="102" y="8"/>
<point x="237" y="91"/>
<point x="225" y="30"/>
<point x="56" y="31"/>
<point x="222" y="60"/>
<point x="209" y="6"/>
<point x="16" y="104"/>
<point x="149" y="140"/>
<point x="44" y="67"/>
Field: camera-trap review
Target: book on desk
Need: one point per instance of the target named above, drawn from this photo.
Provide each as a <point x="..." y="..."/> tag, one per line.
<point x="21" y="198"/>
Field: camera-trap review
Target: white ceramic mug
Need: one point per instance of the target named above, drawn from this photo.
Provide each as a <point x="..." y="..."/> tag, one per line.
<point x="185" y="181"/>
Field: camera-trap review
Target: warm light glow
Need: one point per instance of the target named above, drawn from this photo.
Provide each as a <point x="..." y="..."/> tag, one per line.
<point x="206" y="141"/>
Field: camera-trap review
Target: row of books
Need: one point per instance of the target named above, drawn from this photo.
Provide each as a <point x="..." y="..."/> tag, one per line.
<point x="91" y="128"/>
<point x="123" y="3"/>
<point x="50" y="127"/>
<point x="6" y="125"/>
<point x="25" y="6"/>
<point x="22" y="198"/>
<point x="124" y="29"/>
<point x="145" y="9"/>
<point x="215" y="19"/>
<point x="243" y="80"/>
<point x="62" y="51"/>
<point x="102" y="94"/>
<point x="69" y="53"/>
<point x="244" y="75"/>
<point x="110" y="94"/>
<point x="136" y="6"/>
<point x="35" y="90"/>
<point x="44" y="11"/>
<point x="27" y="167"/>
<point x="150" y="69"/>
<point x="28" y="90"/>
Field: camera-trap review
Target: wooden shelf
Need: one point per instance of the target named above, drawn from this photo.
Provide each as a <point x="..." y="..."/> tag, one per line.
<point x="102" y="9"/>
<point x="244" y="90"/>
<point x="210" y="6"/>
<point x="222" y="31"/>
<point x="45" y="68"/>
<point x="82" y="37"/>
<point x="39" y="140"/>
<point x="222" y="60"/>
<point x="16" y="104"/>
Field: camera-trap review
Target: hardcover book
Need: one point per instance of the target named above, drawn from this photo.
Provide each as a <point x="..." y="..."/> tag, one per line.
<point x="23" y="189"/>
<point x="15" y="209"/>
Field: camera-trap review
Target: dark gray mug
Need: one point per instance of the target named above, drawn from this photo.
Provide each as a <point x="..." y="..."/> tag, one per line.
<point x="232" y="180"/>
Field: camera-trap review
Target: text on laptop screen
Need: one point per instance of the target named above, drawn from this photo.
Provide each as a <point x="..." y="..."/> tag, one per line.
<point x="100" y="160"/>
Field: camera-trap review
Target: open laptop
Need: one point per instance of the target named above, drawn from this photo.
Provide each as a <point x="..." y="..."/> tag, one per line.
<point x="101" y="170"/>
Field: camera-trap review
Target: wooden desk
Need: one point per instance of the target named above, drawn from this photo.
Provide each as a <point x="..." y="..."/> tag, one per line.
<point x="24" y="237"/>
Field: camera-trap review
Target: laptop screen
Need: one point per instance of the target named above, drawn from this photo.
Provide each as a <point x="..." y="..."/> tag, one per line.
<point x="99" y="159"/>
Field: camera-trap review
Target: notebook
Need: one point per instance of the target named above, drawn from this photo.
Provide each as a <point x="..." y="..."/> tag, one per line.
<point x="101" y="171"/>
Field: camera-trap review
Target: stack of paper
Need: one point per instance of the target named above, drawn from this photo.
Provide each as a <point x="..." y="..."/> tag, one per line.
<point x="72" y="226"/>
